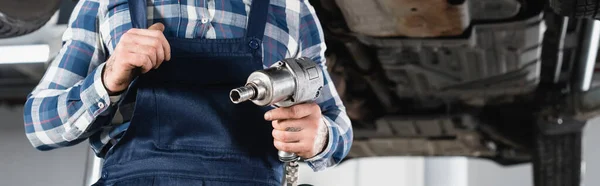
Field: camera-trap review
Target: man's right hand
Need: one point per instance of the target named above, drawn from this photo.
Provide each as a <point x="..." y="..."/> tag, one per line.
<point x="138" y="51"/>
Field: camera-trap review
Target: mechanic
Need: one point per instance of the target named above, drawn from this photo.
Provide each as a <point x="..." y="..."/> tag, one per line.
<point x="148" y="84"/>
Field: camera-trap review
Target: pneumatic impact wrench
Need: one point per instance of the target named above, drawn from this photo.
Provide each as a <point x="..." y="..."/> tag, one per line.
<point x="285" y="83"/>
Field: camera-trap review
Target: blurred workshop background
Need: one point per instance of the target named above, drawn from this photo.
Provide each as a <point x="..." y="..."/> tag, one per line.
<point x="22" y="63"/>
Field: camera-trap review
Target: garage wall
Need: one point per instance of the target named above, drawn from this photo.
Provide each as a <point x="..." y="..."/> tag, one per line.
<point x="487" y="173"/>
<point x="21" y="164"/>
<point x="591" y="151"/>
<point x="394" y="171"/>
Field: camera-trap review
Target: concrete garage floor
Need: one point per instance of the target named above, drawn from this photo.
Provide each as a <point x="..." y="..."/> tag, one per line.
<point x="21" y="164"/>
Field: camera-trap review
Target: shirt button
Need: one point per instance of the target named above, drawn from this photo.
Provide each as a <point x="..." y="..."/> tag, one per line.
<point x="254" y="43"/>
<point x="101" y="105"/>
<point x="204" y="20"/>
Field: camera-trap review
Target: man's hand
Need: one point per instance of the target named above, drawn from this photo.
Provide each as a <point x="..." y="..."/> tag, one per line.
<point x="298" y="129"/>
<point x="138" y="51"/>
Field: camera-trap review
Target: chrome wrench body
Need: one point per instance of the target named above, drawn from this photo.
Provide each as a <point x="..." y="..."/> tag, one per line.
<point x="286" y="83"/>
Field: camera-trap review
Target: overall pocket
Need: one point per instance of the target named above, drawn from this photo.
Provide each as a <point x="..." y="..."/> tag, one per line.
<point x="193" y="109"/>
<point x="203" y="118"/>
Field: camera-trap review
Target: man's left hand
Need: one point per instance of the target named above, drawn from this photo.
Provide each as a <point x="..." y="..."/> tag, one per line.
<point x="299" y="129"/>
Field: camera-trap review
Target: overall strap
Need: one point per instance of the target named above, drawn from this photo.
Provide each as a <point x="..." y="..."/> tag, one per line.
<point x="137" y="11"/>
<point x="258" y="19"/>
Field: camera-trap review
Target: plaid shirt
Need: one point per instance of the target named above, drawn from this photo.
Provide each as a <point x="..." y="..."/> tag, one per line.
<point x="70" y="104"/>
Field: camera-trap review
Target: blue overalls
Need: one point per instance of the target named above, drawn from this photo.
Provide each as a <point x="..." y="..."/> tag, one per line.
<point x="184" y="129"/>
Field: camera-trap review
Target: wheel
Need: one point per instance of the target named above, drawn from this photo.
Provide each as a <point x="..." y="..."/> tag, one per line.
<point x="557" y="159"/>
<point x="20" y="17"/>
<point x="576" y="8"/>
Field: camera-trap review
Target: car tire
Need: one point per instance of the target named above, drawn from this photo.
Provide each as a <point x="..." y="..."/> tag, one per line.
<point x="576" y="8"/>
<point x="20" y="17"/>
<point x="557" y="159"/>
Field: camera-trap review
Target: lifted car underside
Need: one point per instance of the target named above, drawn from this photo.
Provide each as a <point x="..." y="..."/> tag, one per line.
<point x="420" y="88"/>
<point x="496" y="79"/>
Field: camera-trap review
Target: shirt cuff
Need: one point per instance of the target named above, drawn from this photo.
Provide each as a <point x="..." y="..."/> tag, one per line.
<point x="94" y="99"/>
<point x="329" y="144"/>
<point x="94" y="95"/>
<point x="114" y="99"/>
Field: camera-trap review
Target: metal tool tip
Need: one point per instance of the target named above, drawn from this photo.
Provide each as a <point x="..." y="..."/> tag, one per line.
<point x="241" y="94"/>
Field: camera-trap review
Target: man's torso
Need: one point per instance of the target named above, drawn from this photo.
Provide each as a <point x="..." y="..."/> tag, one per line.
<point x="288" y="21"/>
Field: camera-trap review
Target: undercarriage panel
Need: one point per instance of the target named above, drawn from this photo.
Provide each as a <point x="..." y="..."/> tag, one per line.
<point x="422" y="18"/>
<point x="494" y="60"/>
